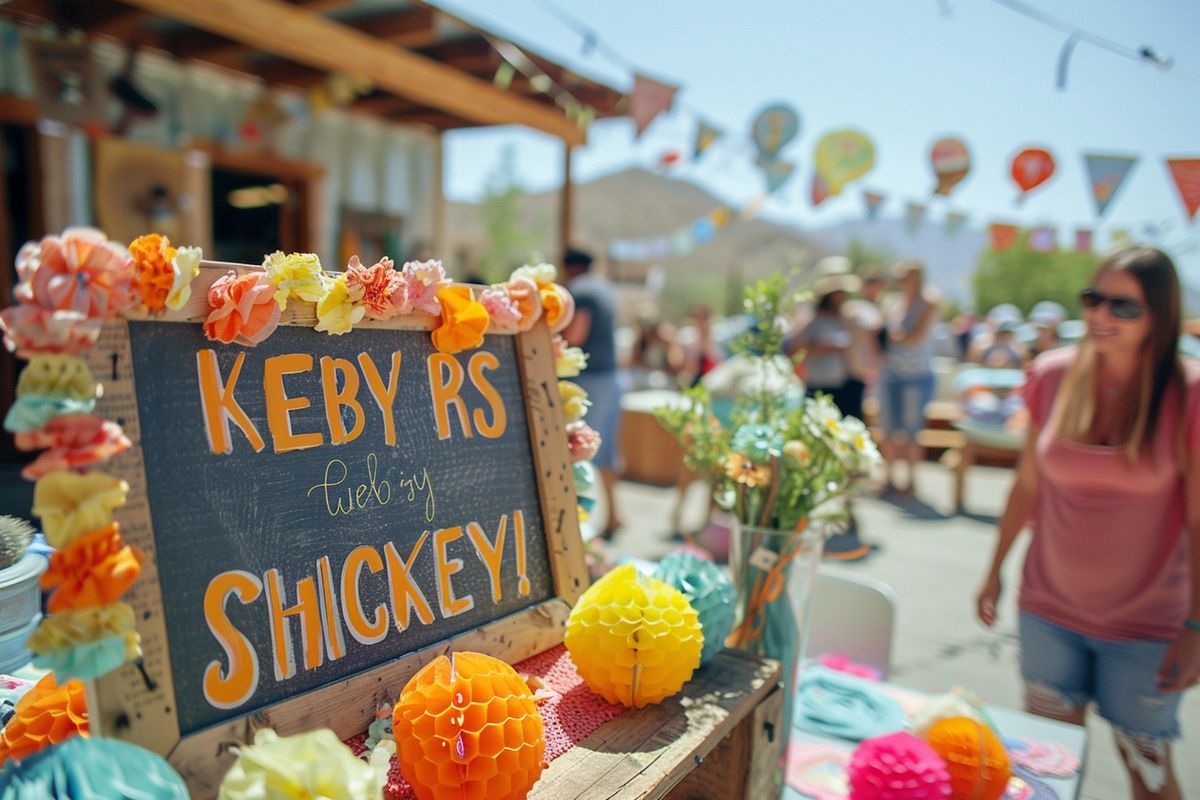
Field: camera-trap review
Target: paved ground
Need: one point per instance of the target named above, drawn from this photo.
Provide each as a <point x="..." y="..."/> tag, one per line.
<point x="933" y="563"/>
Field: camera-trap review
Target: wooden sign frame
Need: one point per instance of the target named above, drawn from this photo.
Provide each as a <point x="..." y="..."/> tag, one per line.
<point x="140" y="707"/>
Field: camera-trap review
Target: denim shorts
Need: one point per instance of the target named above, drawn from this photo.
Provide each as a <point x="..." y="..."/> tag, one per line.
<point x="903" y="400"/>
<point x="604" y="415"/>
<point x="1119" y="676"/>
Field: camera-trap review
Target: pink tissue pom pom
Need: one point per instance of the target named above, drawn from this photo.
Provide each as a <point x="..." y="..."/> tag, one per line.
<point x="582" y="441"/>
<point x="842" y="663"/>
<point x="898" y="766"/>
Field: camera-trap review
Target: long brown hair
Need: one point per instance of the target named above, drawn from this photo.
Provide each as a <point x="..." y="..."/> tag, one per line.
<point x="1075" y="407"/>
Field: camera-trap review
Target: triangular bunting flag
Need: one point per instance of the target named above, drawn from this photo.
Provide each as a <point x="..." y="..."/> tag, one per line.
<point x="706" y="135"/>
<point x="1003" y="236"/>
<point x="873" y="200"/>
<point x="1119" y="237"/>
<point x="954" y="222"/>
<point x="720" y="217"/>
<point x="818" y="191"/>
<point x="913" y="214"/>
<point x="1043" y="239"/>
<point x="1083" y="240"/>
<point x="1186" y="173"/>
<point x="1106" y="174"/>
<point x="777" y="172"/>
<point x="648" y="99"/>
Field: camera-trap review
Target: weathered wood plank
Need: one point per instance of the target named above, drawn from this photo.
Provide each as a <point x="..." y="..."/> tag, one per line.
<point x="645" y="753"/>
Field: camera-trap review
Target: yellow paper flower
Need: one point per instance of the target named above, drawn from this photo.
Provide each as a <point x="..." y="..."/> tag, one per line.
<point x="541" y="274"/>
<point x="337" y="311"/>
<point x="57" y="375"/>
<point x="464" y="320"/>
<point x="186" y="266"/>
<point x="569" y="361"/>
<point x="309" y="765"/>
<point x="295" y="275"/>
<point x="746" y="472"/>
<point x="86" y="625"/>
<point x="71" y="505"/>
<point x="574" y="399"/>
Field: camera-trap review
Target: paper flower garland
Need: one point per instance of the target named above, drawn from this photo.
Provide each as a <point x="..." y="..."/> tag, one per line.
<point x="70" y="505"/>
<point x="634" y="639"/>
<point x="309" y="765"/>
<point x="95" y="570"/>
<point x="974" y="756"/>
<point x="71" y="442"/>
<point x="374" y="286"/>
<point x="337" y="310"/>
<point x="51" y="385"/>
<point x="97" y="768"/>
<point x="46" y="715"/>
<point x="468" y="728"/>
<point x="710" y="591"/>
<point x="898" y="766"/>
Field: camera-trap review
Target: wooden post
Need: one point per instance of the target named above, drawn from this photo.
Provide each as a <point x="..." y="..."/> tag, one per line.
<point x="438" y="192"/>
<point x="55" y="151"/>
<point x="566" y="211"/>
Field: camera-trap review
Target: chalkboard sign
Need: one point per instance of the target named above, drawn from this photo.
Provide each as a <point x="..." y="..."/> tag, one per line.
<point x="324" y="514"/>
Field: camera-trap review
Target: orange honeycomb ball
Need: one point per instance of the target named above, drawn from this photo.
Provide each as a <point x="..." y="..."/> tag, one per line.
<point x="974" y="756"/>
<point x="467" y="728"/>
<point x="634" y="639"/>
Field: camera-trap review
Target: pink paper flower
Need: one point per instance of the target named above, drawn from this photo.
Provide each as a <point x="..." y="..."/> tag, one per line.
<point x="524" y="293"/>
<point x="30" y="330"/>
<point x="502" y="309"/>
<point x="70" y="443"/>
<point x="378" y="284"/>
<point x="79" y="271"/>
<point x="244" y="310"/>
<point x="422" y="281"/>
<point x="582" y="441"/>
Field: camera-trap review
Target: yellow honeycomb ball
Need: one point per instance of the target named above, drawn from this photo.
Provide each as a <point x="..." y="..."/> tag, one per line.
<point x="634" y="639"/>
<point x="467" y="728"/>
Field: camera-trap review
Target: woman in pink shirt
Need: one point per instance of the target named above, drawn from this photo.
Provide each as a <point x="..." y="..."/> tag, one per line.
<point x="1109" y="482"/>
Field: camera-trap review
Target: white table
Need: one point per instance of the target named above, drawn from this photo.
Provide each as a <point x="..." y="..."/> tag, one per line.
<point x="1012" y="725"/>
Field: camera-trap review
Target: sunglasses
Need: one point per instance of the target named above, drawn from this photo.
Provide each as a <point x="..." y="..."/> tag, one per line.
<point x="1121" y="307"/>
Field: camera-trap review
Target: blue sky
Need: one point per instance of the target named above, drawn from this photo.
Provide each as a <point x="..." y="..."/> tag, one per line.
<point x="905" y="72"/>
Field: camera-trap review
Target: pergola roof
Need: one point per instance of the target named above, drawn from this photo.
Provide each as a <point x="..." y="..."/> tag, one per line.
<point x="428" y="67"/>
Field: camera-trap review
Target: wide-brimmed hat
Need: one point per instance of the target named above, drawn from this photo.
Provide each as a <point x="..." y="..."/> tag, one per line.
<point x="829" y="284"/>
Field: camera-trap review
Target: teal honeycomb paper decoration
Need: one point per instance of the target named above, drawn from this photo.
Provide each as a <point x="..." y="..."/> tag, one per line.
<point x="710" y="591"/>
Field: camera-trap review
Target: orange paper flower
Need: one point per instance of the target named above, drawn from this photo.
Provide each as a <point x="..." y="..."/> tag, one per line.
<point x="74" y="441"/>
<point x="524" y="293"/>
<point x="46" y="715"/>
<point x="94" y="571"/>
<point x="558" y="306"/>
<point x="152" y="256"/>
<point x="244" y="310"/>
<point x="30" y="330"/>
<point x="464" y="321"/>
<point x="80" y="271"/>
<point x="376" y="283"/>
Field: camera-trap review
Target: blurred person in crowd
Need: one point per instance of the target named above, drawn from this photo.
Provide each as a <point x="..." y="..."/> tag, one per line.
<point x="907" y="381"/>
<point x="594" y="329"/>
<point x="866" y="315"/>
<point x="701" y="351"/>
<point x="1006" y="351"/>
<point x="828" y="341"/>
<point x="984" y="341"/>
<point x="1045" y="318"/>
<point x="654" y="355"/>
<point x="1109" y="483"/>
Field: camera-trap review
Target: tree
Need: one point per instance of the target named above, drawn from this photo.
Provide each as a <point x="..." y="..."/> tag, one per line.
<point x="1024" y="277"/>
<point x="865" y="259"/>
<point x="509" y="243"/>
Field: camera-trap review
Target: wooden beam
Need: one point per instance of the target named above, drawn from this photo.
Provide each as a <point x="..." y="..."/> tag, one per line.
<point x="384" y="104"/>
<point x="434" y="119"/>
<point x="275" y="27"/>
<point x="105" y="18"/>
